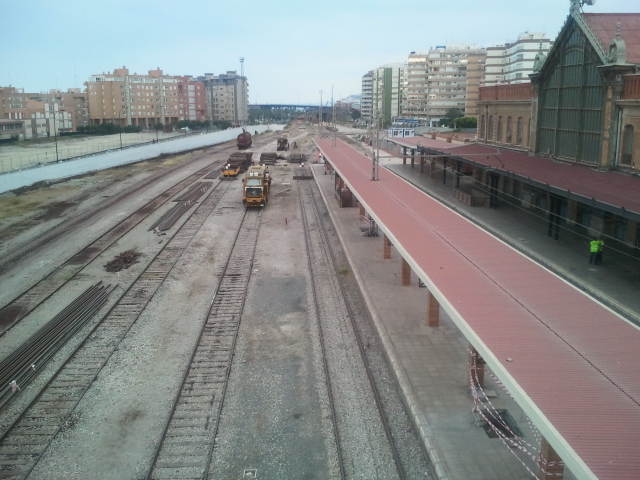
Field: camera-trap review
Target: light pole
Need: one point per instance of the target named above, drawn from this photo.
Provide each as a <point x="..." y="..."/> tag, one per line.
<point x="320" y="112"/>
<point x="55" y="132"/>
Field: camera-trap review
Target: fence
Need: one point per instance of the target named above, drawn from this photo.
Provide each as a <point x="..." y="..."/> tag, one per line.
<point x="32" y="154"/>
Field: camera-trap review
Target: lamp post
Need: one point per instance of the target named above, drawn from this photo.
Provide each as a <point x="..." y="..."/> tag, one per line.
<point x="55" y="133"/>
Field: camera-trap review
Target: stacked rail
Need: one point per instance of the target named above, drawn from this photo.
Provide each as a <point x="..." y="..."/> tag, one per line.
<point x="240" y="159"/>
<point x="297" y="158"/>
<point x="17" y="370"/>
<point x="183" y="203"/>
<point x="268" y="158"/>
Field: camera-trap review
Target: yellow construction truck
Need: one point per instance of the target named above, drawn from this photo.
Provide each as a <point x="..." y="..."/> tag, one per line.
<point x="255" y="186"/>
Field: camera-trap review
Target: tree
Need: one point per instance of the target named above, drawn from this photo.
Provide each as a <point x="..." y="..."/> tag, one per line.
<point x="466" y="122"/>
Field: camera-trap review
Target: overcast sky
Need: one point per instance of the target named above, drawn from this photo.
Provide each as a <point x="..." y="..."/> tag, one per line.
<point x="292" y="49"/>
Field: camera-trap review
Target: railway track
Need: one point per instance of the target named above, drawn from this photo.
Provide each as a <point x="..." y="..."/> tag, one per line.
<point x="189" y="436"/>
<point x="23" y="304"/>
<point x="10" y="258"/>
<point x="30" y="299"/>
<point x="24" y="442"/>
<point x="400" y="453"/>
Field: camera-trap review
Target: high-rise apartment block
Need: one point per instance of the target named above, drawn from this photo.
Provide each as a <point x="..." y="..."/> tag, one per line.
<point x="513" y="62"/>
<point x="122" y="98"/>
<point x="415" y="103"/>
<point x="227" y="97"/>
<point x="192" y="100"/>
<point x="382" y="91"/>
<point x="442" y="79"/>
<point x="366" y="98"/>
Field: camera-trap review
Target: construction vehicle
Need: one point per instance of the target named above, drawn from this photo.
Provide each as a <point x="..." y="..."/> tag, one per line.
<point x="255" y="186"/>
<point x="238" y="162"/>
<point x="244" y="140"/>
<point x="283" y="144"/>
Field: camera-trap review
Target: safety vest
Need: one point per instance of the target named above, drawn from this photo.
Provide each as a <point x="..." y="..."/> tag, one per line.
<point x="595" y="246"/>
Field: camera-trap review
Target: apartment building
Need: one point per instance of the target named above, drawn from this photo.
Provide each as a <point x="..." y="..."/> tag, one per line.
<point x="44" y="119"/>
<point x="415" y="104"/>
<point x="387" y="93"/>
<point x="366" y="98"/>
<point x="441" y="79"/>
<point x="73" y="101"/>
<point x="227" y="97"/>
<point x="123" y="98"/>
<point x="513" y="62"/>
<point x="192" y="100"/>
<point x="11" y="103"/>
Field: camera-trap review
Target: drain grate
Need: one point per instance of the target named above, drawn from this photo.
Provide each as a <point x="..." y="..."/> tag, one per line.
<point x="498" y="422"/>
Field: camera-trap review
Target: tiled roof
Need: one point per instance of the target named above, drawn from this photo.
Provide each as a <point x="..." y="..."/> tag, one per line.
<point x="604" y="25"/>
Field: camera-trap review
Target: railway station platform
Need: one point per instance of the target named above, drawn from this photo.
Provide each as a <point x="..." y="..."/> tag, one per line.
<point x="565" y="359"/>
<point x="615" y="282"/>
<point x="430" y="363"/>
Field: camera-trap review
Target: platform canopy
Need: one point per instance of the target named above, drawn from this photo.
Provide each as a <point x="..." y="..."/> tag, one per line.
<point x="618" y="190"/>
<point x="569" y="362"/>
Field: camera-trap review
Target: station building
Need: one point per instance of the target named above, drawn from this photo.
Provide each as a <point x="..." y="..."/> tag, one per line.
<point x="567" y="143"/>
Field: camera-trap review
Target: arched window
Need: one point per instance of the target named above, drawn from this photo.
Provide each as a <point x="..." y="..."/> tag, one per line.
<point x="627" y="145"/>
<point x="499" y="132"/>
<point x="509" y="134"/>
<point x="519" y="131"/>
<point x="490" y="128"/>
<point x="481" y="128"/>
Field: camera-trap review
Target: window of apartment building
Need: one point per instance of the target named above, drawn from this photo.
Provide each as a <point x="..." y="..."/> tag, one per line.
<point x="490" y="128"/>
<point x="499" y="130"/>
<point x="627" y="145"/>
<point x="509" y="134"/>
<point x="519" y="131"/>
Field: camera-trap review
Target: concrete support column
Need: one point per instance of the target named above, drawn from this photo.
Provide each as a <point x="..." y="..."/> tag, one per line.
<point x="406" y="273"/>
<point x="404" y="155"/>
<point x="433" y="312"/>
<point x="551" y="465"/>
<point x="387" y="247"/>
<point x="413" y="157"/>
<point x="422" y="162"/>
<point x="476" y="367"/>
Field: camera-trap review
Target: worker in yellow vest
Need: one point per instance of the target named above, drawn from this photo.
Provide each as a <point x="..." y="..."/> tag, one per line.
<point x="596" y="247"/>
